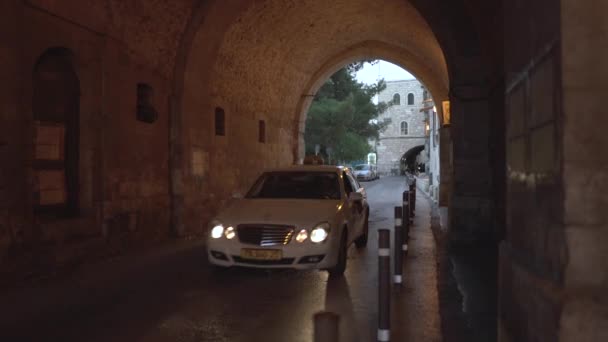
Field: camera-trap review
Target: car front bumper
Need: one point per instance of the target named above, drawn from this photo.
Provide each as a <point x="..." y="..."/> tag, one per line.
<point x="302" y="256"/>
<point x="364" y="177"/>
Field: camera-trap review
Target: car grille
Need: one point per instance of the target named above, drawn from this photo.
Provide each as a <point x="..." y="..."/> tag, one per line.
<point x="264" y="235"/>
<point x="284" y="261"/>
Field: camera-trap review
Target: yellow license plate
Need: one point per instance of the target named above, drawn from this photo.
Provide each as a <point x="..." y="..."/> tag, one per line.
<point x="261" y="254"/>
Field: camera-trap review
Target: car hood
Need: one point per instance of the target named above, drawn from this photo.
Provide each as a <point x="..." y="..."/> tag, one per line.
<point x="296" y="212"/>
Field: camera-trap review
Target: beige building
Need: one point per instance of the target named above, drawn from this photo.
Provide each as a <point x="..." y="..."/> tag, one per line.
<point x="406" y="130"/>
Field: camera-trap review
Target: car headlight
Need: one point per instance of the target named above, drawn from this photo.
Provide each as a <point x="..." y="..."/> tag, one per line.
<point x="319" y="233"/>
<point x="230" y="233"/>
<point x="302" y="236"/>
<point x="217" y="231"/>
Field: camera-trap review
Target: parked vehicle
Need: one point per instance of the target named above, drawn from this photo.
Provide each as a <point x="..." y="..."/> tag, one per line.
<point x="365" y="172"/>
<point x="301" y="217"/>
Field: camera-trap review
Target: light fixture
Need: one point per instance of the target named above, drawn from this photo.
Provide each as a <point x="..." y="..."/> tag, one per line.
<point x="217" y="231"/>
<point x="302" y="236"/>
<point x="229" y="233"/>
<point x="446" y="112"/>
<point x="319" y="233"/>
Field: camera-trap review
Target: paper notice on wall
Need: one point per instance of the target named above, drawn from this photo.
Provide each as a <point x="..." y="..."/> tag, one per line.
<point x="51" y="187"/>
<point x="200" y="162"/>
<point x="49" y="141"/>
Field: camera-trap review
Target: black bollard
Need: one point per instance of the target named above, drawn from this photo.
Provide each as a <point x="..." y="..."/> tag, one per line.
<point x="398" y="241"/>
<point x="410" y="212"/>
<point x="406" y="220"/>
<point x="384" y="291"/>
<point x="326" y="327"/>
<point x="414" y="202"/>
<point x="412" y="197"/>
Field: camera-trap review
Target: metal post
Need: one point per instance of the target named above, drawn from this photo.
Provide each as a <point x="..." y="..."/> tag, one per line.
<point x="410" y="211"/>
<point x="398" y="241"/>
<point x="384" y="273"/>
<point x="414" y="202"/>
<point x="406" y="220"/>
<point x="412" y="198"/>
<point x="326" y="327"/>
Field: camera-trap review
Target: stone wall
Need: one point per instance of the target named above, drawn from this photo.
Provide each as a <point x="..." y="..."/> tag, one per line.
<point x="585" y="170"/>
<point x="11" y="186"/>
<point x="534" y="252"/>
<point x="392" y="144"/>
<point x="139" y="181"/>
<point x="246" y="58"/>
<point x="123" y="163"/>
<point x="434" y="144"/>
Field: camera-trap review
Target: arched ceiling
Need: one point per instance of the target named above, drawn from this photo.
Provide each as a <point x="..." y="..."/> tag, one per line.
<point x="266" y="55"/>
<point x="149" y="29"/>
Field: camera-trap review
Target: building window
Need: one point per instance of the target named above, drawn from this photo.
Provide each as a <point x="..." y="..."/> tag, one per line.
<point x="425" y="95"/>
<point x="410" y="99"/>
<point x="220" y="122"/>
<point x="396" y="99"/>
<point x="56" y="109"/>
<point x="262" y="131"/>
<point x="404" y="128"/>
<point x="145" y="108"/>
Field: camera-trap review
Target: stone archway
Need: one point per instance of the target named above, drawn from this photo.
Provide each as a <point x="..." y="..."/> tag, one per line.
<point x="222" y="41"/>
<point x="212" y="53"/>
<point x="408" y="160"/>
<point x="237" y="54"/>
<point x="436" y="81"/>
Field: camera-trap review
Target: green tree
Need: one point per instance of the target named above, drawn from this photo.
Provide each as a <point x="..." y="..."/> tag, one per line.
<point x="343" y="116"/>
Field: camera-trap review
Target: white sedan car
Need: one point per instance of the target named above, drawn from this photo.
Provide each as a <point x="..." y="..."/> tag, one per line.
<point x="300" y="217"/>
<point x="364" y="172"/>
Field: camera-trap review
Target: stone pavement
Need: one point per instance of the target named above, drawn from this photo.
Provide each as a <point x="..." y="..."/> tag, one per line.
<point x="415" y="314"/>
<point x="171" y="294"/>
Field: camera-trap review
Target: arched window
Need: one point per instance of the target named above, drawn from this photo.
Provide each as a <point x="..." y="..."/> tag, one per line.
<point x="145" y="108"/>
<point x="410" y="99"/>
<point x="396" y="99"/>
<point x="220" y="122"/>
<point x="404" y="128"/>
<point x="56" y="110"/>
<point x="262" y="131"/>
<point x="425" y="95"/>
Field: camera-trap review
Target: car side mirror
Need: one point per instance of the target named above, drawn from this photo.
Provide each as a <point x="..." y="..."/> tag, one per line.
<point x="355" y="196"/>
<point x="237" y="195"/>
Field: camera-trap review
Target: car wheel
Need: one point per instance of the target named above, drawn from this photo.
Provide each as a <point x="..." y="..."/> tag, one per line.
<point x="340" y="267"/>
<point x="361" y="241"/>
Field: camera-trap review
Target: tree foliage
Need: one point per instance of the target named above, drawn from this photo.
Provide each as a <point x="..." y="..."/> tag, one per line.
<point x="343" y="116"/>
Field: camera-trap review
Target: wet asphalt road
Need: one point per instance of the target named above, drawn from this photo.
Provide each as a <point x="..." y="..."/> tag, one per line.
<point x="176" y="296"/>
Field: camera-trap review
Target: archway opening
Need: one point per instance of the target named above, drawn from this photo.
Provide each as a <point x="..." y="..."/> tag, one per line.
<point x="357" y="117"/>
<point x="250" y="61"/>
<point x="414" y="160"/>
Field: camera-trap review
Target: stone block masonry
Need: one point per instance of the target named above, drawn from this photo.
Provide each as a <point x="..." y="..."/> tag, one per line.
<point x="406" y="129"/>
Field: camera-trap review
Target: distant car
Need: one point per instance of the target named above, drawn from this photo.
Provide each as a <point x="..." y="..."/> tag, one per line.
<point x="365" y="172"/>
<point x="301" y="217"/>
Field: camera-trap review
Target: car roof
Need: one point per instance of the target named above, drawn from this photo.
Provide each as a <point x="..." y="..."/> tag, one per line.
<point x="308" y="168"/>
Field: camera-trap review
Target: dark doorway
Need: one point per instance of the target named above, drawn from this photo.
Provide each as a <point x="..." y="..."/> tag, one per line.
<point x="56" y="109"/>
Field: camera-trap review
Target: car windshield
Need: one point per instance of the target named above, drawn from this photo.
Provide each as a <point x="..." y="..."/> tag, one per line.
<point x="361" y="167"/>
<point x="298" y="185"/>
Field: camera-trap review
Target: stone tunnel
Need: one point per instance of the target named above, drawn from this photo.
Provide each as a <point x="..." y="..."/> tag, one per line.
<point x="162" y="103"/>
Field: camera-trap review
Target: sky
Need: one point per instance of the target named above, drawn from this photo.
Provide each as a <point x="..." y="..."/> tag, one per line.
<point x="390" y="72"/>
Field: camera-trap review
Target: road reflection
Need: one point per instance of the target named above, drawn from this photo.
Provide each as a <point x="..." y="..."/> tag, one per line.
<point x="338" y="300"/>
